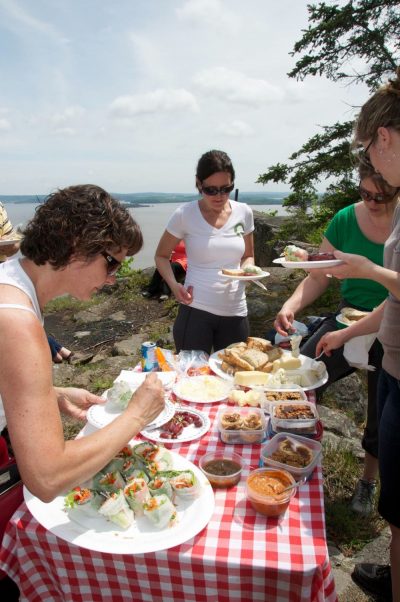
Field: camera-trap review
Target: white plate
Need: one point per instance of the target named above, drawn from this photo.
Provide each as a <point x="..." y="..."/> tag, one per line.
<point x="249" y="277"/>
<point x="8" y="241"/>
<point x="135" y="379"/>
<point x="189" y="433"/>
<point x="215" y="364"/>
<point x="201" y="381"/>
<point x="308" y="265"/>
<point x="101" y="415"/>
<point x="102" y="536"/>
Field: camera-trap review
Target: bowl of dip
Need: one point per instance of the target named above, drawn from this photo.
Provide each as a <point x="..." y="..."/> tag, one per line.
<point x="264" y="489"/>
<point x="222" y="468"/>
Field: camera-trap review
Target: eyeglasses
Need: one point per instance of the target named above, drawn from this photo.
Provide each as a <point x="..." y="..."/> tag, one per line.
<point x="362" y="154"/>
<point x="214" y="190"/>
<point x="113" y="264"/>
<point x="380" y="198"/>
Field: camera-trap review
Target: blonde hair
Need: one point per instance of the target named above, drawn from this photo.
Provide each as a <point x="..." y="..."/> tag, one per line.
<point x="381" y="110"/>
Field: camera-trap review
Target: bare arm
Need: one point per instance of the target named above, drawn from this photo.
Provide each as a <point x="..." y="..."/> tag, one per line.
<point x="48" y="464"/>
<point x="165" y="247"/>
<point x="309" y="289"/>
<point x="357" y="266"/>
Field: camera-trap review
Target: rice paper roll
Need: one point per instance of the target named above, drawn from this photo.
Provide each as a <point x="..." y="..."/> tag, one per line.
<point x="160" y="511"/>
<point x="119" y="396"/>
<point x="136" y="493"/>
<point x="109" y="482"/>
<point x="129" y="467"/>
<point x="155" y="457"/>
<point x="119" y="460"/>
<point x="161" y="485"/>
<point x="84" y="500"/>
<point x="185" y="484"/>
<point x="116" y="510"/>
<point x="138" y="473"/>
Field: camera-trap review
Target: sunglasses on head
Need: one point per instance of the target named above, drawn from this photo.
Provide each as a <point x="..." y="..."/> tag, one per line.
<point x="113" y="264"/>
<point x="214" y="190"/>
<point x="380" y="197"/>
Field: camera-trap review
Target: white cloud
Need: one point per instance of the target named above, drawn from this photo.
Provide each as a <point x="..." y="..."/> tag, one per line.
<point x="236" y="87"/>
<point x="22" y="18"/>
<point x="235" y="128"/>
<point x="69" y="115"/>
<point x="211" y="13"/>
<point x="159" y="101"/>
<point x="5" y="125"/>
<point x="65" y="131"/>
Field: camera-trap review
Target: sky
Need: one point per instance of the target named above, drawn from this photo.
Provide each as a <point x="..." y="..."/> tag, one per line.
<point x="129" y="94"/>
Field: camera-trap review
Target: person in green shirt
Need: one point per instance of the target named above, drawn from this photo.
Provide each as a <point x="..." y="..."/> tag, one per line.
<point x="361" y="228"/>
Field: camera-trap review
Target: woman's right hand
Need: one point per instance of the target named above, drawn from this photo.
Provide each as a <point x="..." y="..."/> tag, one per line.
<point x="283" y="322"/>
<point x="330" y="341"/>
<point x="148" y="400"/>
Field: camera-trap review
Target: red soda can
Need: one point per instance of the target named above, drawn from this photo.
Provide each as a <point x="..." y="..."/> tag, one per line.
<point x="148" y="361"/>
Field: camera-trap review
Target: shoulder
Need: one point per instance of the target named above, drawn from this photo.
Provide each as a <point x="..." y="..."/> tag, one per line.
<point x="241" y="208"/>
<point x="345" y="214"/>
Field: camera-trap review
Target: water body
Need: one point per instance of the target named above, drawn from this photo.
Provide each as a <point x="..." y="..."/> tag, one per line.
<point x="151" y="219"/>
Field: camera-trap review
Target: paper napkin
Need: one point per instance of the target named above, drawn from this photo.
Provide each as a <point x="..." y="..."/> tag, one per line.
<point x="356" y="351"/>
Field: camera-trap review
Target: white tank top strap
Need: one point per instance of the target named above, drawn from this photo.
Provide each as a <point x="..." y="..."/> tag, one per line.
<point x="16" y="306"/>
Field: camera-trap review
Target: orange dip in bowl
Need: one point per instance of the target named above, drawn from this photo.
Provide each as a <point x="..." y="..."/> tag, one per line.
<point x="264" y="490"/>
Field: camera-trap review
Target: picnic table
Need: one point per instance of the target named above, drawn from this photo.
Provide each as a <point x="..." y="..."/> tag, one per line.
<point x="239" y="555"/>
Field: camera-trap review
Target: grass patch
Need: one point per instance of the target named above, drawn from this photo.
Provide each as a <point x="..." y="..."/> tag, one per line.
<point x="348" y="530"/>
<point x="67" y="302"/>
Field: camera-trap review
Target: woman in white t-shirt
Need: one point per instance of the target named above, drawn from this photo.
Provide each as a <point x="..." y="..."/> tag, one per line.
<point x="218" y="233"/>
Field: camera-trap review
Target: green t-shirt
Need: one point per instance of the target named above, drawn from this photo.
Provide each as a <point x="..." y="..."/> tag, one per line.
<point x="345" y="235"/>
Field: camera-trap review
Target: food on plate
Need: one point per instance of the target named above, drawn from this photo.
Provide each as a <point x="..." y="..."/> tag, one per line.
<point x="248" y="270"/>
<point x="249" y="379"/>
<point x="120" y="394"/>
<point x="292" y="454"/>
<point x="160" y="511"/>
<point x="321" y="257"/>
<point x="116" y="509"/>
<point x="283" y="395"/>
<point x="350" y="315"/>
<point x="286" y="362"/>
<point x="254" y="354"/>
<point x="202" y="388"/>
<point x="180" y="420"/>
<point x="246" y="398"/>
<point x="139" y="494"/>
<point x="154" y="457"/>
<point x="295" y="341"/>
<point x="136" y="493"/>
<point x="289" y="411"/>
<point x="265" y="490"/>
<point x="293" y="253"/>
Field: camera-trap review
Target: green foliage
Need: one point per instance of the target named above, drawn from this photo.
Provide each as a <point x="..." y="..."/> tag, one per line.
<point x="126" y="268"/>
<point x="358" y="42"/>
<point x="349" y="531"/>
<point x="66" y="302"/>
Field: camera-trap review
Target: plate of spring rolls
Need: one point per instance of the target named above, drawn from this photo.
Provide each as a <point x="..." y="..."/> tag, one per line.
<point x="147" y="498"/>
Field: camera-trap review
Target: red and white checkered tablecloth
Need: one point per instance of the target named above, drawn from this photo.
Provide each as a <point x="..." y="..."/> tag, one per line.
<point x="240" y="555"/>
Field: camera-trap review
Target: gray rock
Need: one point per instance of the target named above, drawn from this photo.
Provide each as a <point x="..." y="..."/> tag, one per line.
<point x="128" y="346"/>
<point x="338" y="423"/>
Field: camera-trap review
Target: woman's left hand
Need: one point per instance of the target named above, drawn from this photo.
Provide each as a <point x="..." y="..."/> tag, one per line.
<point x="75" y="402"/>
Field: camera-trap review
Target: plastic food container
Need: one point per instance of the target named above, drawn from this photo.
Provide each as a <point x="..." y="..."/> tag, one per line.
<point x="222" y="468"/>
<point x="317" y="436"/>
<point x="281" y="395"/>
<point x="241" y="425"/>
<point x="290" y="424"/>
<point x="259" y="490"/>
<point x="297" y="443"/>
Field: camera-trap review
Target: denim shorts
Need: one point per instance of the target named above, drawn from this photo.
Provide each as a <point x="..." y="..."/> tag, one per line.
<point x="389" y="447"/>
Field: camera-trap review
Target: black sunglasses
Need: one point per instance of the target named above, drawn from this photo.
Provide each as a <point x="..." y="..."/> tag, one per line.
<point x="214" y="190"/>
<point x="380" y="197"/>
<point x="113" y="264"/>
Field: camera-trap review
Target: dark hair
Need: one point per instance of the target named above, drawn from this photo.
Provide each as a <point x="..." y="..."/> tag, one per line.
<point x="79" y="220"/>
<point x="212" y="162"/>
<point x="367" y="171"/>
<point x="381" y="110"/>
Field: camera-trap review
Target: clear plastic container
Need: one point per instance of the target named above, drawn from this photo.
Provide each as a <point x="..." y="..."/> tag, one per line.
<point x="258" y="484"/>
<point x="281" y="395"/>
<point x="222" y="468"/>
<point x="298" y="444"/>
<point x="241" y="425"/>
<point x="307" y="426"/>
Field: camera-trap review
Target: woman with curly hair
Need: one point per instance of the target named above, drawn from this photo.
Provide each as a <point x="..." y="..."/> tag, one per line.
<point x="74" y="245"/>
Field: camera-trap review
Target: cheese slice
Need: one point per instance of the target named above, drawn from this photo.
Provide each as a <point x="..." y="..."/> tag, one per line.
<point x="250" y="378"/>
<point x="287" y="363"/>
